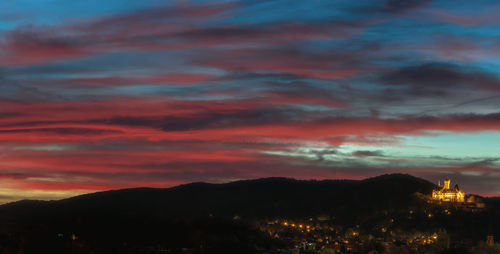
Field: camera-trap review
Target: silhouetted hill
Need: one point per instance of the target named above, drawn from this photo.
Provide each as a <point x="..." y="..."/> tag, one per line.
<point x="493" y="201"/>
<point x="269" y="197"/>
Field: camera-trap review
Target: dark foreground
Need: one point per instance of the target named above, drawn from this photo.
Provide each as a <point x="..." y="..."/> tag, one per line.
<point x="386" y="214"/>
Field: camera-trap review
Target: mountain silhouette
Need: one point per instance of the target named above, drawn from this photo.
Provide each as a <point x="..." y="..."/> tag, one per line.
<point x="268" y="197"/>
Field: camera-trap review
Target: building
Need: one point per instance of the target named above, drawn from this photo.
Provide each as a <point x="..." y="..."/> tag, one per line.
<point x="447" y="194"/>
<point x="489" y="241"/>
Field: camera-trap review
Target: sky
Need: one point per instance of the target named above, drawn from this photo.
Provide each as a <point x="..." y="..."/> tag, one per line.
<point x="99" y="95"/>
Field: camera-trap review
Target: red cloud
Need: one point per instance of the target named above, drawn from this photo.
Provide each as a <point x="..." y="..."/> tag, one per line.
<point x="173" y="27"/>
<point x="81" y="145"/>
<point x="209" y="120"/>
<point x="176" y="79"/>
<point x="308" y="65"/>
<point x="35" y="45"/>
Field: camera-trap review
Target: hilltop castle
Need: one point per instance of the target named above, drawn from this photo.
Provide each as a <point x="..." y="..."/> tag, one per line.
<point x="445" y="193"/>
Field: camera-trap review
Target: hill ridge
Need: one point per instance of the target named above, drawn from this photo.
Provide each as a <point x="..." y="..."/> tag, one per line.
<point x="266" y="180"/>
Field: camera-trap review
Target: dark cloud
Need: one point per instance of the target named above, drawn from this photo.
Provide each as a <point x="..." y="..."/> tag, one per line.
<point x="384" y="8"/>
<point x="4" y="115"/>
<point x="437" y="78"/>
<point x="321" y="153"/>
<point x="30" y="37"/>
<point x="399" y="6"/>
<point x="368" y="153"/>
<point x="212" y="119"/>
<point x="254" y="76"/>
<point x="484" y="163"/>
<point x="20" y="175"/>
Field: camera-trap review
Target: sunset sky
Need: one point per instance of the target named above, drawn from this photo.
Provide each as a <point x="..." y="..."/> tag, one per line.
<point x="98" y="95"/>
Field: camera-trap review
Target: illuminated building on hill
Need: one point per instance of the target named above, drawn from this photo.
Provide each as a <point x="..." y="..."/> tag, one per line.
<point x="489" y="241"/>
<point x="447" y="194"/>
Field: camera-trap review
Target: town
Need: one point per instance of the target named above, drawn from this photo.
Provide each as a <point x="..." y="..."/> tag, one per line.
<point x="323" y="235"/>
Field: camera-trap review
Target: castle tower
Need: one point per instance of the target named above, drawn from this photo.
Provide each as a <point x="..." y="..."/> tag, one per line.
<point x="447" y="194"/>
<point x="447" y="183"/>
